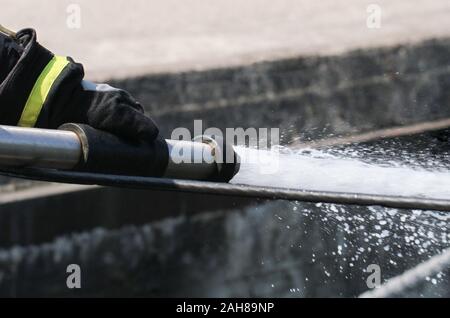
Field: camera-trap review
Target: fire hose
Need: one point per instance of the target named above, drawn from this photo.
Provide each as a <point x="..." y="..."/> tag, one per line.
<point x="82" y="155"/>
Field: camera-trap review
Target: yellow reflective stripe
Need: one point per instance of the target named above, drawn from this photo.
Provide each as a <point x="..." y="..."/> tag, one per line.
<point x="41" y="90"/>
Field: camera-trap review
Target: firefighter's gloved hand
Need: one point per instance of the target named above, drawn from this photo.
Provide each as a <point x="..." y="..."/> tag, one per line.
<point x="104" y="107"/>
<point x="46" y="91"/>
<point x="118" y="112"/>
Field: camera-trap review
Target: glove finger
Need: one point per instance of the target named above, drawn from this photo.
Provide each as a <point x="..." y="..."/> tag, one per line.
<point x="128" y="122"/>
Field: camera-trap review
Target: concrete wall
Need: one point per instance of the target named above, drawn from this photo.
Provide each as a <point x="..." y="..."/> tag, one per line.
<point x="41" y="214"/>
<point x="275" y="249"/>
<point x="307" y="97"/>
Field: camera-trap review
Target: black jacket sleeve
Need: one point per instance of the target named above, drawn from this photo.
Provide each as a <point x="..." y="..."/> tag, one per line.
<point x="10" y="52"/>
<point x="29" y="84"/>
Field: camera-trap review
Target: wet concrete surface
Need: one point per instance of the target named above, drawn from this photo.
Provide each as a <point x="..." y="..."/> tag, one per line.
<point x="277" y="249"/>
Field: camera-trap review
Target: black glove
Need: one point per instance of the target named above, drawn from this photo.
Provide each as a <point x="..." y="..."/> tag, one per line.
<point x="43" y="90"/>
